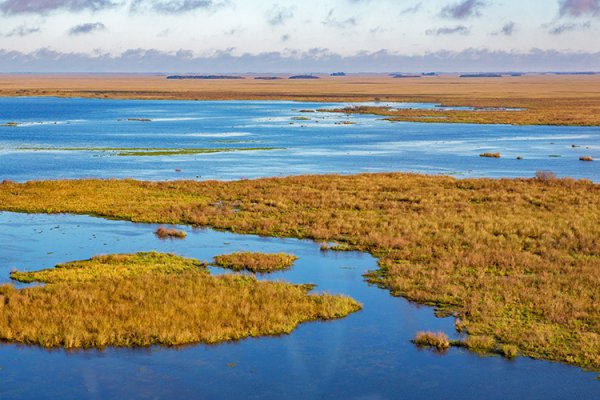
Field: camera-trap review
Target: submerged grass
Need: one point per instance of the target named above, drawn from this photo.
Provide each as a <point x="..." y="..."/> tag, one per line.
<point x="255" y="262"/>
<point x="157" y="151"/>
<point x="151" y="298"/>
<point x="517" y="260"/>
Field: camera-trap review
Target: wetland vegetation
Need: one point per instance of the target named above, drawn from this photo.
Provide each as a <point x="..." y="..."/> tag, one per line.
<point x="255" y="262"/>
<point x="153" y="298"/>
<point x="157" y="151"/>
<point x="514" y="260"/>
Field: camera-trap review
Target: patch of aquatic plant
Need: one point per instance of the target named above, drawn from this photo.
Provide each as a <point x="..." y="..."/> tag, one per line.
<point x="437" y="340"/>
<point x="325" y="246"/>
<point x="150" y="298"/>
<point x="514" y="259"/>
<point x="12" y="124"/>
<point x="255" y="262"/>
<point x="586" y="158"/>
<point x="158" y="151"/>
<point x="170" y="233"/>
<point x="491" y="155"/>
<point x="121" y="266"/>
<point x="478" y="344"/>
<point x="300" y="119"/>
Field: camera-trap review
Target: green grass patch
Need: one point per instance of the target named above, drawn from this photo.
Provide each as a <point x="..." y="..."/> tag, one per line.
<point x="158" y="151"/>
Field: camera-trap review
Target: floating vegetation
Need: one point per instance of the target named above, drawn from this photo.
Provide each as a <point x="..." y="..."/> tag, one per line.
<point x="490" y="155"/>
<point x="145" y="299"/>
<point x="325" y="246"/>
<point x="479" y="344"/>
<point x="437" y="340"/>
<point x="255" y="262"/>
<point x="300" y="119"/>
<point x="166" y="233"/>
<point x="345" y="123"/>
<point x="157" y="151"/>
<point x="586" y="158"/>
<point x="139" y="119"/>
<point x="12" y="124"/>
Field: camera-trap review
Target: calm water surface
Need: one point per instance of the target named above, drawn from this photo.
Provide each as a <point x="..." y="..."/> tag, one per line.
<point x="367" y="355"/>
<point x="318" y="145"/>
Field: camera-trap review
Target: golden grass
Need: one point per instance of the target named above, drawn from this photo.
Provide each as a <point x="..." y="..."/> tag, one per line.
<point x="437" y="340"/>
<point x="150" y="298"/>
<point x="166" y="233"/>
<point x="255" y="262"/>
<point x="547" y="99"/>
<point x="517" y="260"/>
<point x="491" y="155"/>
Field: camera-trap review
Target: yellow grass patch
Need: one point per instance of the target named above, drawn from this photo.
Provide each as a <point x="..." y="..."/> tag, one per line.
<point x="150" y="298"/>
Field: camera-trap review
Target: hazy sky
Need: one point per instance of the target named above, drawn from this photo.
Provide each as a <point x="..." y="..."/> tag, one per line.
<point x="196" y="33"/>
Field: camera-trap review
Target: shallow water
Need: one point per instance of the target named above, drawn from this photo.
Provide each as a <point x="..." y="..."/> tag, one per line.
<point x="305" y="147"/>
<point x="367" y="355"/>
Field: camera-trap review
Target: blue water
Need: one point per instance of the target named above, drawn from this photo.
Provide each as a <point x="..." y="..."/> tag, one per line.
<point x="306" y="147"/>
<point x="367" y="355"/>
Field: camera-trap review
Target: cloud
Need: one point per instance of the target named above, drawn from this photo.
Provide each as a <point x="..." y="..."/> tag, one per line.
<point x="577" y="8"/>
<point x="21" y="31"/>
<point x="278" y="15"/>
<point x="333" y="22"/>
<point x="463" y="9"/>
<point x="84" y="29"/>
<point x="507" y="29"/>
<point x="173" y="6"/>
<point x="46" y="6"/>
<point x="412" y="9"/>
<point x="569" y="27"/>
<point x="151" y="60"/>
<point x="449" y="30"/>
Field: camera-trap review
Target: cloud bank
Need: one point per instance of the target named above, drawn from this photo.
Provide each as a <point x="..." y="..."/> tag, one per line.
<point x="315" y="60"/>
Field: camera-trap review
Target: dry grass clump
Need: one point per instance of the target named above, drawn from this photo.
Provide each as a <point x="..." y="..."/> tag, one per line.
<point x="509" y="350"/>
<point x="166" y="233"/>
<point x="515" y="259"/>
<point x="255" y="262"/>
<point x="490" y="155"/>
<point x="150" y="298"/>
<point x="586" y="158"/>
<point x="543" y="175"/>
<point x="437" y="340"/>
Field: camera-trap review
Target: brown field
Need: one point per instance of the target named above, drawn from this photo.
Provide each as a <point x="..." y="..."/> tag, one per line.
<point x="515" y="260"/>
<point x="548" y="99"/>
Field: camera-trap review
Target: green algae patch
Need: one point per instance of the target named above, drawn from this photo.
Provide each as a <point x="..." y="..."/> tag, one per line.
<point x="153" y="298"/>
<point x="156" y="151"/>
<point x="255" y="262"/>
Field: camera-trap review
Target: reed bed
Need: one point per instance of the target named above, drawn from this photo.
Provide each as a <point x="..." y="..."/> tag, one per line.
<point x="151" y="298"/>
<point x="255" y="262"/>
<point x="517" y="260"/>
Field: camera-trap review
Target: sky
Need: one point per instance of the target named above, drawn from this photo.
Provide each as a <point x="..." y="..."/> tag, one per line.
<point x="299" y="36"/>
